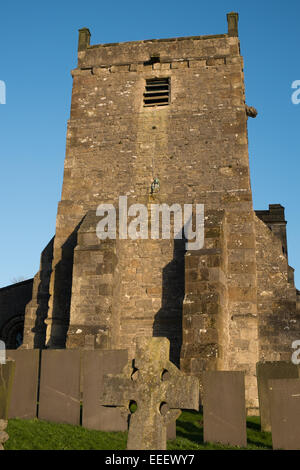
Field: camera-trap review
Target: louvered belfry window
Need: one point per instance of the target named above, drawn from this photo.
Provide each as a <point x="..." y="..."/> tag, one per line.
<point x="157" y="92"/>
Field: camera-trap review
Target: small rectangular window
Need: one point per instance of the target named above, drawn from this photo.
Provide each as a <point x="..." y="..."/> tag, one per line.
<point x="157" y="92"/>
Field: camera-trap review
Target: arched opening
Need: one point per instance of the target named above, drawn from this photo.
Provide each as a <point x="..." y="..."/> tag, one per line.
<point x="12" y="332"/>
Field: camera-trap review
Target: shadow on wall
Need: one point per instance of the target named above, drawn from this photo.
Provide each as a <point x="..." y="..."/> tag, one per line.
<point x="62" y="293"/>
<point x="168" y="320"/>
<point x="41" y="310"/>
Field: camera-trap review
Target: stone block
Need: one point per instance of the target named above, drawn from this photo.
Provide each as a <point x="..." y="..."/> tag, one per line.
<point x="23" y="404"/>
<point x="224" y="408"/>
<point x="284" y="395"/>
<point x="266" y="371"/>
<point x="7" y="372"/>
<point x="96" y="364"/>
<point x="59" y="399"/>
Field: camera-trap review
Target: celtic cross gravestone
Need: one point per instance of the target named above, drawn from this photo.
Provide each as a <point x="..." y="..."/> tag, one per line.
<point x="159" y="389"/>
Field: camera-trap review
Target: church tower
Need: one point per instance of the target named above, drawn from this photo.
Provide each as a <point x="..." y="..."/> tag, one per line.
<point x="167" y="114"/>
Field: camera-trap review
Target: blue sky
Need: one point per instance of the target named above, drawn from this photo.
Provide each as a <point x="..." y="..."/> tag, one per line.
<point x="38" y="48"/>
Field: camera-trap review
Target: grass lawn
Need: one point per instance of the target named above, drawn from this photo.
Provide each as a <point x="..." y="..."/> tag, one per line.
<point x="41" y="435"/>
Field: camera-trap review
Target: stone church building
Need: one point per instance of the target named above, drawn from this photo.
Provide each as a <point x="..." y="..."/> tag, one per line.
<point x="171" y="111"/>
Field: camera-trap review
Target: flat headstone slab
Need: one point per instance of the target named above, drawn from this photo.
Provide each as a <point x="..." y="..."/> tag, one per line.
<point x="285" y="413"/>
<point x="224" y="408"/>
<point x="96" y="364"/>
<point x="6" y="383"/>
<point x="266" y="371"/>
<point x="24" y="391"/>
<point x="59" y="399"/>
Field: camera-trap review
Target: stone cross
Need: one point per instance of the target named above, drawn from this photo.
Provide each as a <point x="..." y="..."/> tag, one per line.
<point x="158" y="388"/>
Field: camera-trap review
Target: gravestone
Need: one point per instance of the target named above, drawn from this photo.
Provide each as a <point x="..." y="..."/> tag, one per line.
<point x="285" y="413"/>
<point x="6" y="382"/>
<point x="23" y="402"/>
<point x="159" y="390"/>
<point x="224" y="408"/>
<point x="96" y="364"/>
<point x="59" y="399"/>
<point x="266" y="371"/>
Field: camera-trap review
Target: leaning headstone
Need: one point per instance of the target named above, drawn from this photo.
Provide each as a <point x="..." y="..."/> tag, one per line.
<point x="59" y="399"/>
<point x="96" y="364"/>
<point x="25" y="388"/>
<point x="6" y="382"/>
<point x="224" y="408"/>
<point x="158" y="389"/>
<point x="285" y="413"/>
<point x="266" y="371"/>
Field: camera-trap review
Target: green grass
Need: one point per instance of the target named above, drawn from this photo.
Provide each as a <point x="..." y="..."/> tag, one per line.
<point x="41" y="435"/>
<point x="190" y="434"/>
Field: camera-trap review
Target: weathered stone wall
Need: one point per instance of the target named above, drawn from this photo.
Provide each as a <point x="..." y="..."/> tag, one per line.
<point x="279" y="319"/>
<point x="205" y="323"/>
<point x="274" y="218"/>
<point x="125" y="288"/>
<point x="37" y="308"/>
<point x="242" y="349"/>
<point x="220" y="330"/>
<point x="94" y="288"/>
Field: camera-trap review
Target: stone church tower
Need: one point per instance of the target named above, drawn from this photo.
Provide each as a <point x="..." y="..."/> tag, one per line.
<point x="172" y="110"/>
